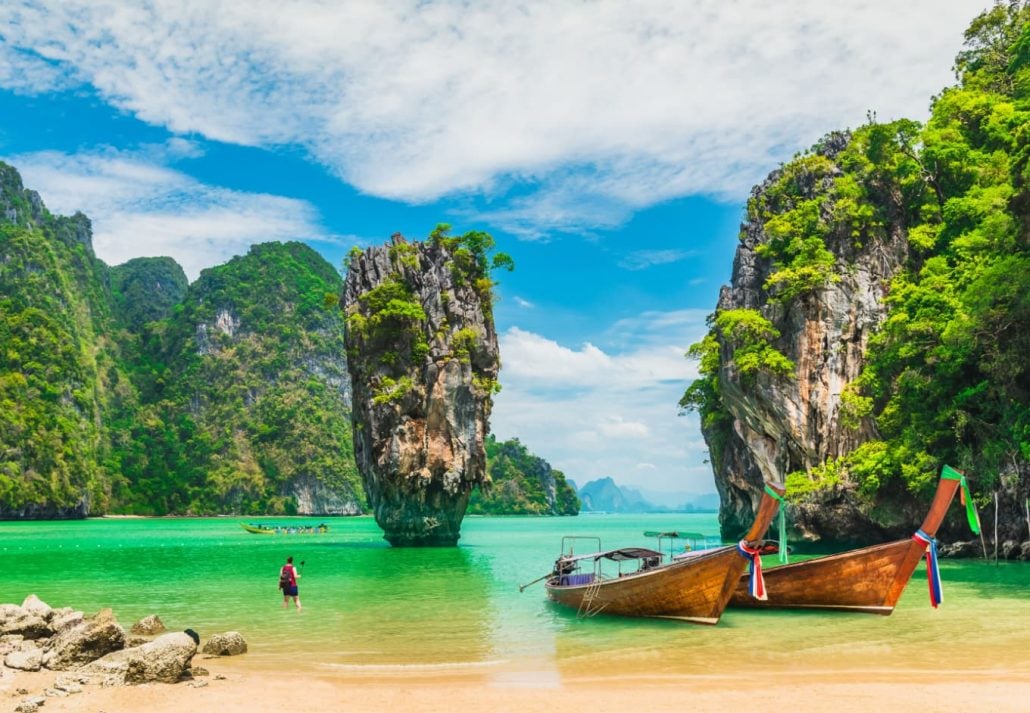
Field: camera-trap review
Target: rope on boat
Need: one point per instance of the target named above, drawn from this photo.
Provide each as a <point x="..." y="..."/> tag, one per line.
<point x="756" y="583"/>
<point x="933" y="572"/>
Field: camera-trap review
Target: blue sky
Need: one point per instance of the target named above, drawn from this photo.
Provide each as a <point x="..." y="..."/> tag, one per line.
<point x="609" y="147"/>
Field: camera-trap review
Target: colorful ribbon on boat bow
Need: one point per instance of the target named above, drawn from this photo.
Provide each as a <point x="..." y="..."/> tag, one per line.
<point x="933" y="572"/>
<point x="782" y="524"/>
<point x="756" y="584"/>
<point x="964" y="496"/>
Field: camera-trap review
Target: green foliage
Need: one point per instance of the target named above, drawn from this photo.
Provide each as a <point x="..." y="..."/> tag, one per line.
<point x="750" y="337"/>
<point x="387" y="321"/>
<point x="54" y="382"/>
<point x="146" y="289"/>
<point x="239" y="410"/>
<point x="390" y="391"/>
<point x="471" y="257"/>
<point x="946" y="376"/>
<point x="522" y="484"/>
<point x="463" y="341"/>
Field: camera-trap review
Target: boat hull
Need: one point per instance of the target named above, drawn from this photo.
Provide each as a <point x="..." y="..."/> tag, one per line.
<point x="696" y="590"/>
<point x="870" y="579"/>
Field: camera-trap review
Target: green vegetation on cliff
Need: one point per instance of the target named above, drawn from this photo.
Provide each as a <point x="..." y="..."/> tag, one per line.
<point x="245" y="394"/>
<point x="54" y="381"/>
<point x="124" y="390"/>
<point x="522" y="484"/>
<point x="946" y="376"/>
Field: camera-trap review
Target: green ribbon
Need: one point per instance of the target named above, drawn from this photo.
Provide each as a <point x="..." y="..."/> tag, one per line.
<point x="782" y="524"/>
<point x="949" y="473"/>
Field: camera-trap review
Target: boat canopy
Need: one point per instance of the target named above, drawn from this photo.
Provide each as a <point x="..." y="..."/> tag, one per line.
<point x="620" y="555"/>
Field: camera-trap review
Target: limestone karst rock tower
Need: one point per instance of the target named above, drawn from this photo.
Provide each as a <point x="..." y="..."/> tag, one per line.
<point x="423" y="359"/>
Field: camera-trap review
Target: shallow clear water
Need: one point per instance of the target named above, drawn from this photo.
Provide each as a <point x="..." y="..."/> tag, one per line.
<point x="371" y="607"/>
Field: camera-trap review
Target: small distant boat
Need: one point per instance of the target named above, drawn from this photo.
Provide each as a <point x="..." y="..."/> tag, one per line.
<point x="869" y="579"/>
<point x="261" y="529"/>
<point x="692" y="586"/>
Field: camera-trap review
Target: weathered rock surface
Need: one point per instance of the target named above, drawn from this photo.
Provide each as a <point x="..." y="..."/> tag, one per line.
<point x="148" y="626"/>
<point x="785" y="425"/>
<point x="85" y="642"/>
<point x="231" y="643"/>
<point x="422" y="368"/>
<point x="16" y="620"/>
<point x="28" y="658"/>
<point x="165" y="659"/>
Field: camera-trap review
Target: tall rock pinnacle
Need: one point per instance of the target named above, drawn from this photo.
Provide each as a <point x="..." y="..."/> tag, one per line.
<point x="423" y="359"/>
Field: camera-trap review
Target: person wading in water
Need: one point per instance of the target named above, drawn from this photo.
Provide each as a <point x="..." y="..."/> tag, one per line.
<point x="288" y="577"/>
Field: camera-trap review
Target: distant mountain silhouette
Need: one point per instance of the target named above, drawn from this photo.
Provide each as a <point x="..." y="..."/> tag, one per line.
<point x="605" y="495"/>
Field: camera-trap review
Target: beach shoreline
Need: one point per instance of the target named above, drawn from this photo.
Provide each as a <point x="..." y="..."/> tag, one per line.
<point x="235" y="685"/>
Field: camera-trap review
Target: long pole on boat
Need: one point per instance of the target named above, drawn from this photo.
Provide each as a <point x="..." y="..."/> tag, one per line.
<point x="523" y="586"/>
<point x="995" y="527"/>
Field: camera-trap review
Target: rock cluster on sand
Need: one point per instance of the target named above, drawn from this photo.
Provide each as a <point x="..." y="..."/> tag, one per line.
<point x="34" y="636"/>
<point x="231" y="643"/>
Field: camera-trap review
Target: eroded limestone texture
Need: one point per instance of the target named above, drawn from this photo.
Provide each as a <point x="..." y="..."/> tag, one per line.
<point x="423" y="359"/>
<point x="783" y="425"/>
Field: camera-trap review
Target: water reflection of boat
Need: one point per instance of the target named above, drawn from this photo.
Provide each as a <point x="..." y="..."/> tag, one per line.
<point x="693" y="586"/>
<point x="261" y="529"/>
<point x="869" y="579"/>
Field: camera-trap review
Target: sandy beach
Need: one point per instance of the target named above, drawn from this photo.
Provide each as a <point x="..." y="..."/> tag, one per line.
<point x="235" y="685"/>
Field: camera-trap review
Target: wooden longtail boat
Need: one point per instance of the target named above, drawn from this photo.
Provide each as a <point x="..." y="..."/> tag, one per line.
<point x="869" y="579"/>
<point x="285" y="529"/>
<point x="694" y="586"/>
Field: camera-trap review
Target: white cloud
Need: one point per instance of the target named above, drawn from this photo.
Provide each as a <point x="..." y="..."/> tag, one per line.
<point x="643" y="259"/>
<point x="593" y="109"/>
<point x="140" y="207"/>
<point x="523" y="303"/>
<point x="594" y="413"/>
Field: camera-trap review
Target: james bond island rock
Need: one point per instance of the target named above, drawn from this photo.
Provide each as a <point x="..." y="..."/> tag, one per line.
<point x="423" y="359"/>
<point x="877" y="321"/>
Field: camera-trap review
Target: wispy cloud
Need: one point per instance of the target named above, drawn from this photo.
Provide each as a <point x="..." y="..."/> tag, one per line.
<point x="643" y="259"/>
<point x="140" y="207"/>
<point x="591" y="110"/>
<point x="594" y="412"/>
<point x="523" y="303"/>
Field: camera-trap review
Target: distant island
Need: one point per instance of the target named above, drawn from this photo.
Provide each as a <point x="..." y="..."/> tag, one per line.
<point x="604" y="495"/>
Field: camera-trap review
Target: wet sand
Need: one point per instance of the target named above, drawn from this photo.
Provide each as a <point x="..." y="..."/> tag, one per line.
<point x="247" y="687"/>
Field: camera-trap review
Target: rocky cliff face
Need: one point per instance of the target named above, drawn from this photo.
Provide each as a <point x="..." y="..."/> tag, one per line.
<point x="256" y="390"/>
<point x="783" y="425"/>
<point x="423" y="359"/>
<point x="55" y="383"/>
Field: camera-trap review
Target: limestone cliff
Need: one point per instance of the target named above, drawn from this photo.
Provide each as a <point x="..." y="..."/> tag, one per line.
<point x="780" y="425"/>
<point x="423" y="359"/>
<point x="877" y="321"/>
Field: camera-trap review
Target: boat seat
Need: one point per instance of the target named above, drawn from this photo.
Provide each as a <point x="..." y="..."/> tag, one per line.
<point x="573" y="580"/>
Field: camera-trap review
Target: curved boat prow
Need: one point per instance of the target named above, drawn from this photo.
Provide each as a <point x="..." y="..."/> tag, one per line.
<point x="868" y="579"/>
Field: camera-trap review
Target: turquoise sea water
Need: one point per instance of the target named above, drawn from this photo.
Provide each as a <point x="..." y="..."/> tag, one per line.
<point x="370" y="607"/>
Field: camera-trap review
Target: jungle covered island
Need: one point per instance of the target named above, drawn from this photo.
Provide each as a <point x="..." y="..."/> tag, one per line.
<point x="521" y="483"/>
<point x="125" y="390"/>
<point x="423" y="359"/>
<point x="877" y="323"/>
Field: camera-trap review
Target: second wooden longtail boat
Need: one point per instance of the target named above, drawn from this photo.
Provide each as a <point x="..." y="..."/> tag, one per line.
<point x="693" y="586"/>
<point x="870" y="579"/>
